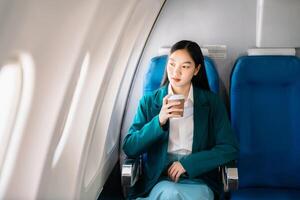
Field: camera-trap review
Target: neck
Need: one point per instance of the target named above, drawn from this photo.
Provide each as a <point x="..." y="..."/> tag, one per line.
<point x="182" y="90"/>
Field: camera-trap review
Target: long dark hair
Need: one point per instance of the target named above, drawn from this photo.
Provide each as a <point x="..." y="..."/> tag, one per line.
<point x="200" y="80"/>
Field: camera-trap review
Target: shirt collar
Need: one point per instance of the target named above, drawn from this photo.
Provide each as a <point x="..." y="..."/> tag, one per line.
<point x="190" y="96"/>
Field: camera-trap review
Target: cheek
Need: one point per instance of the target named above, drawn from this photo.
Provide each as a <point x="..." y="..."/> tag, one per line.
<point x="169" y="71"/>
<point x="189" y="75"/>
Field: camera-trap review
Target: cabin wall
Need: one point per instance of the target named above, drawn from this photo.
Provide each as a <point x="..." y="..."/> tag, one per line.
<point x="84" y="56"/>
<point x="53" y="33"/>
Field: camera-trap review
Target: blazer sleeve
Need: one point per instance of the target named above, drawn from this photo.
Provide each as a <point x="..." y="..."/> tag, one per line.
<point x="226" y="146"/>
<point x="143" y="132"/>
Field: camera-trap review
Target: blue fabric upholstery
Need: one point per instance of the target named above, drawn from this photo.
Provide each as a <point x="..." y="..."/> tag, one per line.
<point x="265" y="115"/>
<point x="155" y="73"/>
<point x="263" y="194"/>
<point x="157" y="66"/>
<point x="212" y="75"/>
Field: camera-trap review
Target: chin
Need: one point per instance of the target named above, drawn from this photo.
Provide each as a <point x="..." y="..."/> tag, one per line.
<point x="177" y="84"/>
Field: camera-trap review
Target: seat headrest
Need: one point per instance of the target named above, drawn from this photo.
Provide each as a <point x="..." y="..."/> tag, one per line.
<point x="164" y="50"/>
<point x="266" y="69"/>
<point x="272" y="51"/>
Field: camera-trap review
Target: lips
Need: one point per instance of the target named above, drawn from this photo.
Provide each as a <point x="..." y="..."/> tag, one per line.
<point x="176" y="79"/>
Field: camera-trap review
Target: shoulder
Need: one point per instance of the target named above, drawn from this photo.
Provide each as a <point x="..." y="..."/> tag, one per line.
<point x="154" y="97"/>
<point x="210" y="99"/>
<point x="208" y="96"/>
<point x="214" y="98"/>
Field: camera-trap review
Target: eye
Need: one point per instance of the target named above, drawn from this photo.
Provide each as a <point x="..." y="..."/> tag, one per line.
<point x="172" y="64"/>
<point x="185" y="66"/>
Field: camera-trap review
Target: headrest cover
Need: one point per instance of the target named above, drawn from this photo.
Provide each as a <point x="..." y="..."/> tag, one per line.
<point x="272" y="51"/>
<point x="165" y="50"/>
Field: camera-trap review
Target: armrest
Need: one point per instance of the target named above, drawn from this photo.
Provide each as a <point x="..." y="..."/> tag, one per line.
<point x="230" y="176"/>
<point x="131" y="171"/>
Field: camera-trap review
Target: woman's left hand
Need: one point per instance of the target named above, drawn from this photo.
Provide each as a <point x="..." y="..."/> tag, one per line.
<point x="175" y="171"/>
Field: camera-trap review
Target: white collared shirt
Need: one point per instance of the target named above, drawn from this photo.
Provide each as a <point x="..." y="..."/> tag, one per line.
<point x="181" y="129"/>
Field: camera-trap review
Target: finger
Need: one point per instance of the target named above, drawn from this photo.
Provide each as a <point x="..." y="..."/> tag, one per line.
<point x="174" y="171"/>
<point x="182" y="168"/>
<point x="165" y="99"/>
<point x="175" y="109"/>
<point x="171" y="168"/>
<point x="173" y="103"/>
<point x="177" y="176"/>
<point x="174" y="175"/>
<point x="173" y="116"/>
<point x="171" y="175"/>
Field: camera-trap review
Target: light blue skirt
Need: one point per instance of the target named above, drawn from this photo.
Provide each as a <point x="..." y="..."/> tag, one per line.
<point x="184" y="189"/>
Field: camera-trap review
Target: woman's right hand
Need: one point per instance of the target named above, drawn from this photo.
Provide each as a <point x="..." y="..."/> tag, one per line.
<point x="167" y="109"/>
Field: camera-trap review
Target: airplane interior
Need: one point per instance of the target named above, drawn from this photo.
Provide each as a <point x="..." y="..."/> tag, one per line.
<point x="72" y="74"/>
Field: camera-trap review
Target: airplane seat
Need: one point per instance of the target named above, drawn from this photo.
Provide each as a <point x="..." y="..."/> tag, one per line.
<point x="156" y="69"/>
<point x="154" y="74"/>
<point x="265" y="115"/>
<point x="132" y="168"/>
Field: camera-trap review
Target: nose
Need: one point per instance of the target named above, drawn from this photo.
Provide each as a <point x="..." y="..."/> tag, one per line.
<point x="177" y="70"/>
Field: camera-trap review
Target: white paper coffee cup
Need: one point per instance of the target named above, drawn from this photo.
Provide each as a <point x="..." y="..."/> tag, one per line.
<point x="180" y="98"/>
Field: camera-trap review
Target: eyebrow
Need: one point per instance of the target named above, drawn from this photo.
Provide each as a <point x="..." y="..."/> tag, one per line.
<point x="187" y="62"/>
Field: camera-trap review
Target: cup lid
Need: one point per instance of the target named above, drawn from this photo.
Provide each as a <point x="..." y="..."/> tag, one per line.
<point x="176" y="97"/>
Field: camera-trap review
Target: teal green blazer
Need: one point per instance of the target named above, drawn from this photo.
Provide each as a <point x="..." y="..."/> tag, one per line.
<point x="214" y="143"/>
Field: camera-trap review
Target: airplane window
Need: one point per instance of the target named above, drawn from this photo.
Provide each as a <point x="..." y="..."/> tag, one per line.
<point x="66" y="132"/>
<point x="10" y="90"/>
<point x="17" y="78"/>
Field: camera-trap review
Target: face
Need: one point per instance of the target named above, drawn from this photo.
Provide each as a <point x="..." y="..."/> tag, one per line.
<point x="181" y="68"/>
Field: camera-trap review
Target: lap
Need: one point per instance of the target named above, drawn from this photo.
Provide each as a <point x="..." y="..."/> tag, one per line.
<point x="185" y="190"/>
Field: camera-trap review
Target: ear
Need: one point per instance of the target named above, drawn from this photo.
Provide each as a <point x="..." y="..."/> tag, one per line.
<point x="197" y="69"/>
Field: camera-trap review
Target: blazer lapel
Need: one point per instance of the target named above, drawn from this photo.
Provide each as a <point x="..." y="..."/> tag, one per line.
<point x="201" y="117"/>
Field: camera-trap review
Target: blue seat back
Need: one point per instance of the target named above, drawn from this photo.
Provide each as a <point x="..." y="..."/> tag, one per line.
<point x="156" y="70"/>
<point x="265" y="115"/>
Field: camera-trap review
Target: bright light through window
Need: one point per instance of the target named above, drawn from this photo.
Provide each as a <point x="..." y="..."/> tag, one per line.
<point x="10" y="90"/>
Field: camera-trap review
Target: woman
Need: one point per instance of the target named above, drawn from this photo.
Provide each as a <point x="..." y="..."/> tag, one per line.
<point x="181" y="154"/>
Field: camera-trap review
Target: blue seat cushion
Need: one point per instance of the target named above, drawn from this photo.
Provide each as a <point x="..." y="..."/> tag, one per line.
<point x="155" y="73"/>
<point x="265" y="115"/>
<point x="157" y="66"/>
<point x="266" y="194"/>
